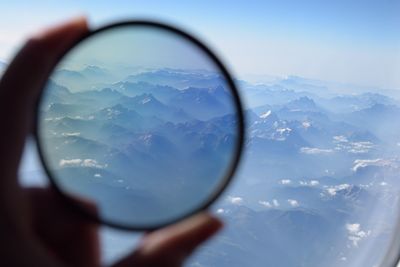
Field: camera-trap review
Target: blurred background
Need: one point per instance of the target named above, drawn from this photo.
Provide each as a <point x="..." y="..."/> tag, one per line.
<point x="322" y="76"/>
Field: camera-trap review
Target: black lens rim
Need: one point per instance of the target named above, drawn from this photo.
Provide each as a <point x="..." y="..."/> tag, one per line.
<point x="240" y="122"/>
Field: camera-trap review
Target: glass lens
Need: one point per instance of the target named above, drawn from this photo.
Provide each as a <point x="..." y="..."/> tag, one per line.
<point x="140" y="122"/>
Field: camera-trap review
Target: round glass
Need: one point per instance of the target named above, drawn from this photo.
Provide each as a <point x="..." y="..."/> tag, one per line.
<point x="139" y="125"/>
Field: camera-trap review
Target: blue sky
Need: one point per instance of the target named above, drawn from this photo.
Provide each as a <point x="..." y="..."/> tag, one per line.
<point x="347" y="41"/>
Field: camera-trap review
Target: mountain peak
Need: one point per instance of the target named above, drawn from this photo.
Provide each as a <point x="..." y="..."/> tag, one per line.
<point x="146" y="99"/>
<point x="303" y="103"/>
<point x="268" y="116"/>
<point x="265" y="114"/>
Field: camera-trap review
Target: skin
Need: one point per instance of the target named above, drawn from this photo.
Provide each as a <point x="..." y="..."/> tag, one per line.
<point x="37" y="228"/>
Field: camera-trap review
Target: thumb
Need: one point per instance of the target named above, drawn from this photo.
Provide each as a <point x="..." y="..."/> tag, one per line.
<point x="170" y="246"/>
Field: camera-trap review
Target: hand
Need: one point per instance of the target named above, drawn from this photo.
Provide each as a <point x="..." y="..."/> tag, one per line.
<point x="36" y="227"/>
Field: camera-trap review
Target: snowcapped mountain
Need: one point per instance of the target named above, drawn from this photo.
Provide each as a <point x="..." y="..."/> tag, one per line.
<point x="320" y="169"/>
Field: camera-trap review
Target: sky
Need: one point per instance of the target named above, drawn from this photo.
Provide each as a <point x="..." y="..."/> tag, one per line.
<point x="356" y="42"/>
<point x="132" y="47"/>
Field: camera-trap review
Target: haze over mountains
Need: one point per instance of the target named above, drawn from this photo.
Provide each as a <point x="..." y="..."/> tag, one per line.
<point x="319" y="181"/>
<point x="161" y="147"/>
<point x="319" y="184"/>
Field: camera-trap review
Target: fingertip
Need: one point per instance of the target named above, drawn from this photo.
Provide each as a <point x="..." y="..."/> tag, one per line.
<point x="208" y="220"/>
<point x="79" y="23"/>
<point x="170" y="246"/>
<point x="184" y="235"/>
<point x="205" y="225"/>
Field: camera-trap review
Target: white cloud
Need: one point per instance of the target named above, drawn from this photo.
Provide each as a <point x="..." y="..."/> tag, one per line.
<point x="71" y="134"/>
<point x="97" y="175"/>
<point x="343" y="144"/>
<point x="334" y="189"/>
<point x="353" y="228"/>
<point x="366" y="185"/>
<point x="283" y="130"/>
<point x="91" y="163"/>
<point x="355" y="233"/>
<point x="220" y="211"/>
<point x="235" y="200"/>
<point x="309" y="183"/>
<point x="111" y="113"/>
<point x="340" y="139"/>
<point x="70" y="162"/>
<point x="88" y="163"/>
<point x="362" y="163"/>
<point x="360" y="147"/>
<point x="293" y="203"/>
<point x="306" y="124"/>
<point x="266" y="204"/>
<point x="285" y="181"/>
<point x="275" y="203"/>
<point x="315" y="151"/>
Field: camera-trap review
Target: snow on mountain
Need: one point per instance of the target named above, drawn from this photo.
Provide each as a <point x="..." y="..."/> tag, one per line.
<point x="311" y="175"/>
<point x="265" y="115"/>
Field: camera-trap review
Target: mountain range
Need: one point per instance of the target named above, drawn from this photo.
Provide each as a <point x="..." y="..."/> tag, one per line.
<point x="318" y="180"/>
